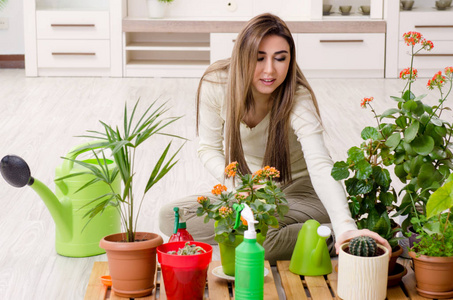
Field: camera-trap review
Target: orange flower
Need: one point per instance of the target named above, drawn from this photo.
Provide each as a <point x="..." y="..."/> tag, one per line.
<point x="202" y="199"/>
<point x="244" y="221"/>
<point x="231" y="169"/>
<point x="427" y="45"/>
<point x="218" y="189"/>
<point x="438" y="80"/>
<point x="406" y="73"/>
<point x="365" y="101"/>
<point x="224" y="211"/>
<point x="412" y="38"/>
<point x="448" y="71"/>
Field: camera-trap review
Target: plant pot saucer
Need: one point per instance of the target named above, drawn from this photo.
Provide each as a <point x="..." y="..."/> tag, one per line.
<point x="397" y="274"/>
<point x="436" y="295"/>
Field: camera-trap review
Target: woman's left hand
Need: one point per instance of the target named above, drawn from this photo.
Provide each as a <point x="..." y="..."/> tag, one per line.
<point x="348" y="235"/>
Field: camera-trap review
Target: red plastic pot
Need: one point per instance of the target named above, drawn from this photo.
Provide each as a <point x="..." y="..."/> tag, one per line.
<point x="184" y="275"/>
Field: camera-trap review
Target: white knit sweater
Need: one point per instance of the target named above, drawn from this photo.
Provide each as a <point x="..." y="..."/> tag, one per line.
<point x="308" y="153"/>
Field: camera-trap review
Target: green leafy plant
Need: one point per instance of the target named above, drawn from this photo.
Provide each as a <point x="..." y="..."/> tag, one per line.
<point x="257" y="190"/>
<point x="166" y="1"/>
<point x="363" y="246"/>
<point x="3" y="4"/>
<point x="371" y="198"/>
<point x="414" y="140"/>
<point x="123" y="145"/>
<point x="436" y="235"/>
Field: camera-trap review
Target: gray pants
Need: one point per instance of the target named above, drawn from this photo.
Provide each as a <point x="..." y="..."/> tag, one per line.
<point x="303" y="204"/>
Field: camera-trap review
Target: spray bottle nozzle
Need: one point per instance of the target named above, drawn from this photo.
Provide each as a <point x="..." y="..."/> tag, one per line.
<point x="246" y="212"/>
<point x="175" y="228"/>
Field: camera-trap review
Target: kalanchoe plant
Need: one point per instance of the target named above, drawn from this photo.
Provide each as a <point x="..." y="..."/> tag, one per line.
<point x="363" y="246"/>
<point x="258" y="190"/>
<point x="415" y="140"/>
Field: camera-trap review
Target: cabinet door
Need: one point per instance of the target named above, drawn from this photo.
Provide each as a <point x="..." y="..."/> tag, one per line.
<point x="222" y="45"/>
<point x="73" y="54"/>
<point x="72" y="25"/>
<point x="341" y="55"/>
<point x="432" y="25"/>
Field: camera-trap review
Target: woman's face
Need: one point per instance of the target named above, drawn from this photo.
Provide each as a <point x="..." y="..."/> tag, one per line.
<point x="272" y="65"/>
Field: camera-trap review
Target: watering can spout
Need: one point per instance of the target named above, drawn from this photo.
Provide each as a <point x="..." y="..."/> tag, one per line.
<point x="55" y="208"/>
<point x="17" y="173"/>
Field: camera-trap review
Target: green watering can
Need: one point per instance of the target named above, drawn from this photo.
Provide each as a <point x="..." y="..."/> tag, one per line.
<point x="74" y="237"/>
<point x="311" y="256"/>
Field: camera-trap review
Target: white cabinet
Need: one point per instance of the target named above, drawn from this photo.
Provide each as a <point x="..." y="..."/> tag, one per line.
<point x="340" y="55"/>
<point x="436" y="26"/>
<point x="64" y="38"/>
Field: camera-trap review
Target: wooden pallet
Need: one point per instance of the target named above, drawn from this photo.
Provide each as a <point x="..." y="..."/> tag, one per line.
<point x="295" y="287"/>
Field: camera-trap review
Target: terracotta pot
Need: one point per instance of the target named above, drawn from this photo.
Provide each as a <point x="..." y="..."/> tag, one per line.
<point x="132" y="265"/>
<point x="395" y="254"/>
<point x="433" y="275"/>
<point x="362" y="278"/>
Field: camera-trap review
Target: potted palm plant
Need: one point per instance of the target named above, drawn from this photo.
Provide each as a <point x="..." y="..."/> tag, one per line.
<point x="131" y="254"/>
<point x="433" y="255"/>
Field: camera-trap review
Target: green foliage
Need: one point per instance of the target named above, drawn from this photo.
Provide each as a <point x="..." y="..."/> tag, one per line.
<point x="258" y="191"/>
<point x="123" y="145"/>
<point x="363" y="246"/>
<point x="413" y="139"/>
<point x="371" y="198"/>
<point x="3" y="4"/>
<point x="436" y="235"/>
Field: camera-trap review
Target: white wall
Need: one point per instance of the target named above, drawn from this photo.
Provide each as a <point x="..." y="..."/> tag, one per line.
<point x="12" y="39"/>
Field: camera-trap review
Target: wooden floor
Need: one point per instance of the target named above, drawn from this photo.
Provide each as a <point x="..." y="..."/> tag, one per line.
<point x="39" y="119"/>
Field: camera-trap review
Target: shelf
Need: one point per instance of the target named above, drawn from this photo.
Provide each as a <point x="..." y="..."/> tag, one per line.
<point x="170" y="68"/>
<point x="165" y="46"/>
<point x="167" y="63"/>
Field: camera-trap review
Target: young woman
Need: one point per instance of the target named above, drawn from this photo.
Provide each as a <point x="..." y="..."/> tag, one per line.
<point x="258" y="109"/>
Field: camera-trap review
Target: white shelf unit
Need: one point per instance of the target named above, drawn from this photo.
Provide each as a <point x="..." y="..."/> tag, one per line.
<point x="166" y="54"/>
<point x="72" y="38"/>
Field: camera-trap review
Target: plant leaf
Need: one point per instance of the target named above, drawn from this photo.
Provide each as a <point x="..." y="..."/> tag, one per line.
<point x="423" y="145"/>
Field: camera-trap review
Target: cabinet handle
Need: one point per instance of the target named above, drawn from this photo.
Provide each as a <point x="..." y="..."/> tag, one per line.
<point x="73" y="53"/>
<point x="72" y="25"/>
<point x="435" y="54"/>
<point x="433" y="26"/>
<point x="341" y="41"/>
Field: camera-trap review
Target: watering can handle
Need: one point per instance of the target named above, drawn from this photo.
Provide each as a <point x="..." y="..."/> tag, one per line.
<point x="68" y="164"/>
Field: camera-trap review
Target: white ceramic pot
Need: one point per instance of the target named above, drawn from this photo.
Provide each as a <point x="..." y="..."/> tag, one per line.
<point x="156" y="9"/>
<point x="362" y="278"/>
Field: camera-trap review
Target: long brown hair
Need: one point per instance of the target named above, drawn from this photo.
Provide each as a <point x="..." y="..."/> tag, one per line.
<point x="240" y="68"/>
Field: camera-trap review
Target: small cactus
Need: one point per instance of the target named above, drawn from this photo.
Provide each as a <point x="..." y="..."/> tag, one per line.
<point x="363" y="246"/>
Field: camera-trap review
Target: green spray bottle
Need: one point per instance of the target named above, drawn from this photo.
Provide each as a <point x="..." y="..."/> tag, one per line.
<point x="249" y="264"/>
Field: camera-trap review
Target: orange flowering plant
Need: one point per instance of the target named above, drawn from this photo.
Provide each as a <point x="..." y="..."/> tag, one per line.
<point x="258" y="190"/>
<point x="413" y="139"/>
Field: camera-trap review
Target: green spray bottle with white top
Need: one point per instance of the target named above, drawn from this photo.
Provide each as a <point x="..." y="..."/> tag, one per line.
<point x="249" y="264"/>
